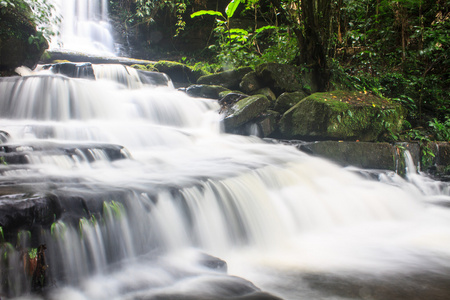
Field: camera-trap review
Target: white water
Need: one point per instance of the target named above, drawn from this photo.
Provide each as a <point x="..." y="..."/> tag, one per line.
<point x="84" y="28"/>
<point x="271" y="212"/>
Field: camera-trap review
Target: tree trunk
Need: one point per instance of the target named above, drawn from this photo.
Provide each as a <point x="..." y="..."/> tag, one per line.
<point x="313" y="40"/>
<point x="310" y="21"/>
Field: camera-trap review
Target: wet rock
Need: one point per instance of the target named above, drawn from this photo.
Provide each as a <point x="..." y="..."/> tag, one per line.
<point x="25" y="153"/>
<point x="154" y="78"/>
<point x="4" y="137"/>
<point x="341" y="115"/>
<point x="20" y="43"/>
<point x="227" y="79"/>
<point x="24" y="211"/>
<point x="205" y="91"/>
<point x="214" y="263"/>
<point x="288" y="100"/>
<point x="245" y="111"/>
<point x="82" y="201"/>
<point x="74" y="70"/>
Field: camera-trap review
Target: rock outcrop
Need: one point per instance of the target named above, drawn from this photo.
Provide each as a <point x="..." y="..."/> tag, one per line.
<point x="341" y="115"/>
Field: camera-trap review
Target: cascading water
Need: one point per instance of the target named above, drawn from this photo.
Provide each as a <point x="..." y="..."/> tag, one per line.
<point x="147" y="194"/>
<point x="137" y="194"/>
<point x="85" y="27"/>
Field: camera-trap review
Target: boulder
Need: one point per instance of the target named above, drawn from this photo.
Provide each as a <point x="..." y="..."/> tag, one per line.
<point x="282" y="78"/>
<point x="206" y="91"/>
<point x="437" y="163"/>
<point x="267" y="123"/>
<point x="250" y="83"/>
<point x="154" y="78"/>
<point x="341" y="115"/>
<point x="266" y="92"/>
<point x="180" y="74"/>
<point x="229" y="99"/>
<point x="288" y="100"/>
<point x="20" y="43"/>
<point x="244" y="111"/>
<point x="229" y="79"/>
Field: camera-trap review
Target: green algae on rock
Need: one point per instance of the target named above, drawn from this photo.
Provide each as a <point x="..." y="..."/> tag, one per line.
<point x="342" y="115"/>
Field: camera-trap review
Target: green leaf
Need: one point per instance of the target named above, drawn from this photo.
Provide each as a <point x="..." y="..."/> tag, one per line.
<point x="264" y="28"/>
<point x="207" y="12"/>
<point x="238" y="31"/>
<point x="231" y="7"/>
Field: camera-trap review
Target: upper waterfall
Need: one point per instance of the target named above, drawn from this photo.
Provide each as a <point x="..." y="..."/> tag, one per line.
<point x="84" y="27"/>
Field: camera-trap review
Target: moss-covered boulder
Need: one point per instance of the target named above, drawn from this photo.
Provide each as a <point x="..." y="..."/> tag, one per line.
<point x="250" y="83"/>
<point x="284" y="78"/>
<point x="181" y="74"/>
<point x="244" y="111"/>
<point x="206" y="91"/>
<point x="288" y="100"/>
<point x="229" y="79"/>
<point x="341" y="115"/>
<point x="266" y="92"/>
<point x="20" y="43"/>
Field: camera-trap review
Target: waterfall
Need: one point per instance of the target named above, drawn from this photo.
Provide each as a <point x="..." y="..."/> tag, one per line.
<point x="137" y="194"/>
<point x="84" y="27"/>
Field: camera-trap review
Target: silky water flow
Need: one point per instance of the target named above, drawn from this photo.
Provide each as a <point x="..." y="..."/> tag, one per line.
<point x="188" y="210"/>
<point x="84" y="27"/>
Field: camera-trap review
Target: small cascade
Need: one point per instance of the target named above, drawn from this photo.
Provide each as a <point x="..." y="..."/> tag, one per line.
<point x="129" y="77"/>
<point x="85" y="27"/>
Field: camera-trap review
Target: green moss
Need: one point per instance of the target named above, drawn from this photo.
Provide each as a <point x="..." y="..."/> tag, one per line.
<point x="139" y="67"/>
<point x="342" y="115"/>
<point x="246" y="110"/>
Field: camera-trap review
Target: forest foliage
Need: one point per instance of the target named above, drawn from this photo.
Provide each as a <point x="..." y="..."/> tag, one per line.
<point x="40" y="12"/>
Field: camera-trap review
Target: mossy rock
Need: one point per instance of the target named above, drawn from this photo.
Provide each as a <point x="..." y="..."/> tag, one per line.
<point x="341" y="115"/>
<point x="288" y="100"/>
<point x="20" y="43"/>
<point x="250" y="83"/>
<point x="143" y="67"/>
<point x="180" y="74"/>
<point x="244" y="111"/>
<point x="206" y="91"/>
<point x="229" y="79"/>
<point x="266" y="91"/>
